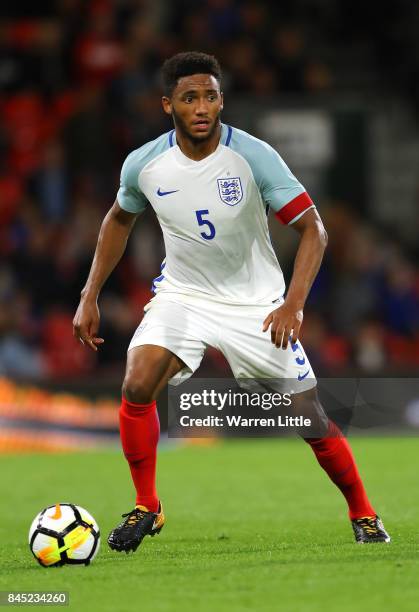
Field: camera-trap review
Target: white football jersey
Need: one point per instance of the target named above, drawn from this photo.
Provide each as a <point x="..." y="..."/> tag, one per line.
<point x="213" y="214"/>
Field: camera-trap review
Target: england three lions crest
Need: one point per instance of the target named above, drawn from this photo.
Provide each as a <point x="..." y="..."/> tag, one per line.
<point x="230" y="190"/>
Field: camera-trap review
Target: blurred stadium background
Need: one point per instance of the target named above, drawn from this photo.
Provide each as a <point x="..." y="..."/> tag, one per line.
<point x="332" y="85"/>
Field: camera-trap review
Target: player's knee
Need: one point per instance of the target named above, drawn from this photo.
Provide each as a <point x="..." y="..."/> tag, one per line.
<point x="137" y="389"/>
<point x="308" y="406"/>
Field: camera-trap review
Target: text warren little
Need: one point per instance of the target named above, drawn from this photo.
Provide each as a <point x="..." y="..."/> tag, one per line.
<point x="239" y="421"/>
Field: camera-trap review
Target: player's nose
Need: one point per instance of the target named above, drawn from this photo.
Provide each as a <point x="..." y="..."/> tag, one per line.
<point x="201" y="107"/>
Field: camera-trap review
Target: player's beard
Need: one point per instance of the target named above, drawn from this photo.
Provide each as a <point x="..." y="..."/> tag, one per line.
<point x="181" y="126"/>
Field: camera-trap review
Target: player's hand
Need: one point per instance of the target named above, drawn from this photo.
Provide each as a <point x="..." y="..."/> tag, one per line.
<point x="86" y="324"/>
<point x="284" y="321"/>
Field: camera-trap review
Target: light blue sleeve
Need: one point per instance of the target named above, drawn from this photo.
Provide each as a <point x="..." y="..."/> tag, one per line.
<point x="129" y="196"/>
<point x="277" y="184"/>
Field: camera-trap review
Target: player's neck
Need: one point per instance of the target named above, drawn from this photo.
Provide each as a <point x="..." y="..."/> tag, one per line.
<point x="198" y="150"/>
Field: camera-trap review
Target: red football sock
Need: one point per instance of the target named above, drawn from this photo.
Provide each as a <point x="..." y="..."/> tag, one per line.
<point x="140" y="430"/>
<point x="335" y="456"/>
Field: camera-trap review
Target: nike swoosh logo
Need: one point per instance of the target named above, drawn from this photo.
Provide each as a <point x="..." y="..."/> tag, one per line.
<point x="57" y="514"/>
<point x="164" y="193"/>
<point x="302" y="377"/>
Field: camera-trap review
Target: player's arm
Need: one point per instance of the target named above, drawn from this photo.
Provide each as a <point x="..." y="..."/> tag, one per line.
<point x="289" y="316"/>
<point x="111" y="244"/>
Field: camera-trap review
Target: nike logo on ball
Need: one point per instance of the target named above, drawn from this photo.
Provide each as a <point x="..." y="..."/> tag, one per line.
<point x="302" y="376"/>
<point x="164" y="193"/>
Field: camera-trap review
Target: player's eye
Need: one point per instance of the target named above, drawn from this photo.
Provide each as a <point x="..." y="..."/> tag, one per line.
<point x="212" y="98"/>
<point x="188" y="99"/>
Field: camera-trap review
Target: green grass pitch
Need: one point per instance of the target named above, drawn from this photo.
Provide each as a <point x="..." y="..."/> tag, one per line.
<point x="251" y="525"/>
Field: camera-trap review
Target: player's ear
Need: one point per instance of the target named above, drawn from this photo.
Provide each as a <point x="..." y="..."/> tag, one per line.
<point x="222" y="100"/>
<point x="167" y="105"/>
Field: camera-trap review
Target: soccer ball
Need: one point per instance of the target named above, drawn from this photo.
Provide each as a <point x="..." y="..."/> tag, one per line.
<point x="64" y="534"/>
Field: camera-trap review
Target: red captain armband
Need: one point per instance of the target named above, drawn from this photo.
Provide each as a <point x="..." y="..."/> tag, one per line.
<point x="291" y="210"/>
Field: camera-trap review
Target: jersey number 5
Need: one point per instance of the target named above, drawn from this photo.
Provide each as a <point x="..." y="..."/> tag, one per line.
<point x="211" y="229"/>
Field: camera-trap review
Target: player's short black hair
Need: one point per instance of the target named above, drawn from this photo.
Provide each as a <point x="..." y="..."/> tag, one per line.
<point x="186" y="64"/>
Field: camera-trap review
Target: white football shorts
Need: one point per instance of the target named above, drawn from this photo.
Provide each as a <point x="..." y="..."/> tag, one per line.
<point x="186" y="325"/>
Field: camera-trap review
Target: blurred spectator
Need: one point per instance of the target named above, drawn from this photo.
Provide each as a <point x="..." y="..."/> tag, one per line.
<point x="89" y="142"/>
<point x="64" y="357"/>
<point x="369" y="347"/>
<point x="241" y="61"/>
<point x="356" y="288"/>
<point x="400" y="296"/>
<point x="288" y="52"/>
<point x="223" y="19"/>
<point x="329" y="353"/>
<point x="98" y="53"/>
<point x="50" y="183"/>
<point x="19" y="357"/>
